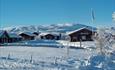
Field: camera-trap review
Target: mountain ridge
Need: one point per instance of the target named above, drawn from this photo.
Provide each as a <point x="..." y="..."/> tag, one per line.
<point x="47" y="28"/>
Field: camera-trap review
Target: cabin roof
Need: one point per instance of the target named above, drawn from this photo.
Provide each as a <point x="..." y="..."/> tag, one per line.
<point x="13" y="35"/>
<point x="52" y="33"/>
<point x="43" y="34"/>
<point x="27" y="33"/>
<point x="91" y="29"/>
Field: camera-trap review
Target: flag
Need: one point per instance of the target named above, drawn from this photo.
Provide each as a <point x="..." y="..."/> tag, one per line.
<point x="92" y="15"/>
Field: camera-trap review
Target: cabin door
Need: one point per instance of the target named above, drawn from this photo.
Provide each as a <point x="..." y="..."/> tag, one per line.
<point x="74" y="39"/>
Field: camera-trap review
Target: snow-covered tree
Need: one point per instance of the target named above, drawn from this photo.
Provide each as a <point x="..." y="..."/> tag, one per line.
<point x="102" y="40"/>
<point x="103" y="60"/>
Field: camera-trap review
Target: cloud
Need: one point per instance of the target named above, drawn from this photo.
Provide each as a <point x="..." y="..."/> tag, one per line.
<point x="113" y="16"/>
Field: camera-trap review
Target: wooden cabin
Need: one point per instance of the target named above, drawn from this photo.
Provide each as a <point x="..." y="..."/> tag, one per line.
<point x="49" y="36"/>
<point x="82" y="34"/>
<point x="27" y="36"/>
<point x="9" y="37"/>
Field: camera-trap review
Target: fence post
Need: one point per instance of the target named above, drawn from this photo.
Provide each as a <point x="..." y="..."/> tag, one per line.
<point x="8" y="57"/>
<point x="31" y="59"/>
<point x="80" y="43"/>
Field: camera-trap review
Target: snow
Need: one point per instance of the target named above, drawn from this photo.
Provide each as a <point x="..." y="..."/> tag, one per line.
<point x="43" y="57"/>
<point x="50" y="58"/>
<point x="46" y="33"/>
<point x="100" y="62"/>
<point x="88" y="44"/>
<point x="36" y="43"/>
<point x="65" y="24"/>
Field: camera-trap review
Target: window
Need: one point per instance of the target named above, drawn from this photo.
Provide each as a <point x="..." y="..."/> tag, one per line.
<point x="83" y="37"/>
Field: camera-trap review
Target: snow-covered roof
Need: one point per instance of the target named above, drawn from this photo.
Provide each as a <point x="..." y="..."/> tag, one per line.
<point x="13" y="35"/>
<point x="79" y="30"/>
<point x="42" y="34"/>
<point x="52" y="33"/>
<point x="27" y="33"/>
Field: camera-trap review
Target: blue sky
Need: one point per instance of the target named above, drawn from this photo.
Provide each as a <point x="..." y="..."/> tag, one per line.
<point x="44" y="12"/>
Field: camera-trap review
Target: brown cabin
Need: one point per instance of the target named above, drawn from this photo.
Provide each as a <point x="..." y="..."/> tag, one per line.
<point x="9" y="37"/>
<point x="82" y="34"/>
<point x="27" y="36"/>
<point x="49" y="36"/>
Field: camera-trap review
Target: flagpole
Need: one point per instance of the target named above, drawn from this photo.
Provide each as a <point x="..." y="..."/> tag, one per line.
<point x="93" y="18"/>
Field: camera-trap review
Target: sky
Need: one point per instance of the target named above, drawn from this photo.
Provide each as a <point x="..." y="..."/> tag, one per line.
<point x="44" y="12"/>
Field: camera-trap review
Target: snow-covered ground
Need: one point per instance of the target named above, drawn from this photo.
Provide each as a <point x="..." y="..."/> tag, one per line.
<point x="50" y="58"/>
<point x="19" y="57"/>
<point x="38" y="52"/>
<point x="53" y="43"/>
<point x="88" y="44"/>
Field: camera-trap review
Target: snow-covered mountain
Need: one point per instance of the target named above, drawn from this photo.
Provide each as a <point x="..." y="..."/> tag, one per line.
<point x="49" y="28"/>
